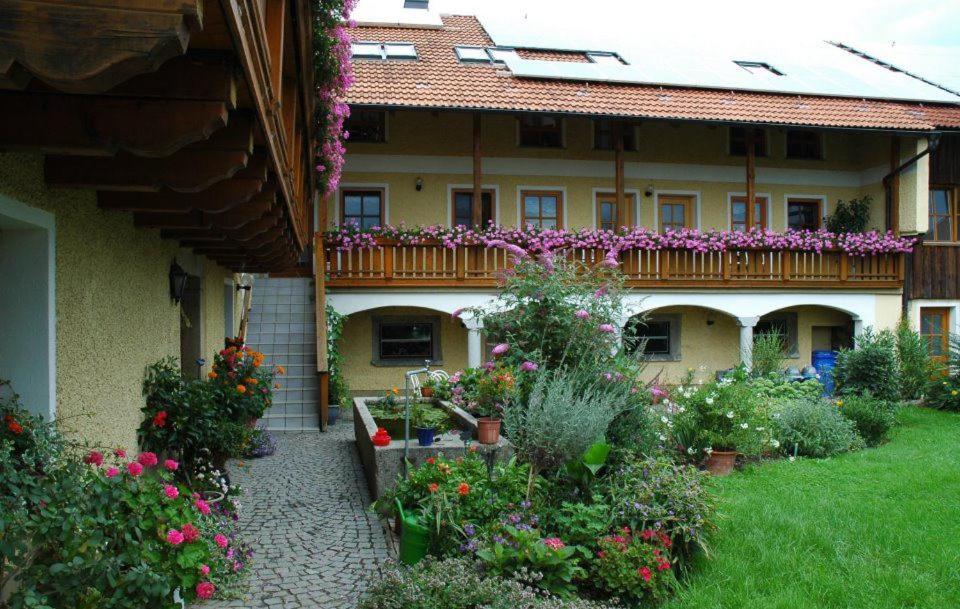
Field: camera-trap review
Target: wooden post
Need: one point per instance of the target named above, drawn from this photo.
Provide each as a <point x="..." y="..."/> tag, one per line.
<point x="894" y="186"/>
<point x="621" y="219"/>
<point x="477" y="174"/>
<point x="324" y="397"/>
<point x="751" y="176"/>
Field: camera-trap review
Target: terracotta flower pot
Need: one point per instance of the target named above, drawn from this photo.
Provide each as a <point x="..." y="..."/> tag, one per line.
<point x="426" y="392"/>
<point x="721" y="462"/>
<point x="488" y="430"/>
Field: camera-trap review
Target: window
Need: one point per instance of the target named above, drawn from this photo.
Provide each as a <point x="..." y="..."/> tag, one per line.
<point x="676" y="212"/>
<point x="606" y="59"/>
<point x="603" y="135"/>
<point x="367" y="126"/>
<point x="935" y="329"/>
<point x="738" y="142"/>
<point x="463" y="207"/>
<point x="367" y="50"/>
<point x="655" y="339"/>
<point x="402" y="341"/>
<point x="400" y="50"/>
<point x="743" y="219"/>
<point x="804" y="144"/>
<point x="943" y="215"/>
<point x="804" y="214"/>
<point x="472" y="54"/>
<point x="607" y="216"/>
<point x="758" y="67"/>
<point x="381" y="50"/>
<point x="542" y="209"/>
<point x="540" y="131"/>
<point x="784" y="324"/>
<point x="362" y="208"/>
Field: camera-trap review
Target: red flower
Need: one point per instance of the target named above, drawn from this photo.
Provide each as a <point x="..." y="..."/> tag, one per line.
<point x="432" y="487"/>
<point x="160" y="419"/>
<point x="190" y="533"/>
<point x="665" y="540"/>
<point x="120" y="453"/>
<point x="431" y="460"/>
<point x="648" y="534"/>
<point x="645" y="573"/>
<point x="94" y="458"/>
<point x="663" y="565"/>
<point x="463" y="489"/>
<point x="13" y="426"/>
<point x="134" y="468"/>
<point x="205" y="590"/>
<point x="147" y="459"/>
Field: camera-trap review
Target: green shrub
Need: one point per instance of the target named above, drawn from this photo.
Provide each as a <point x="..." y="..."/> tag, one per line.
<point x="871" y="367"/>
<point x="522" y="554"/>
<point x="635" y="566"/>
<point x="851" y="216"/>
<point x="813" y="428"/>
<point x="658" y="493"/>
<point x="872" y="417"/>
<point x="777" y="388"/>
<point x="943" y="392"/>
<point x="916" y="367"/>
<point x="768" y="354"/>
<point x="578" y="523"/>
<point x="457" y="583"/>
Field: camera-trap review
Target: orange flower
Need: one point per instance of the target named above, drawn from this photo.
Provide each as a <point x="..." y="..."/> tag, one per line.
<point x="276" y="385"/>
<point x="241" y="389"/>
<point x="211" y="375"/>
<point x="281" y="371"/>
<point x="15" y="428"/>
<point x="395" y="390"/>
<point x="432" y="487"/>
<point x="252" y="381"/>
<point x="473" y="448"/>
<point x="463" y="489"/>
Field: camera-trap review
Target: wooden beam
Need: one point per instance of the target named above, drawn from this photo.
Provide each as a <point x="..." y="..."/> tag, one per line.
<point x="894" y="186"/>
<point x="477" y="217"/>
<point x="103" y="126"/>
<point x="197" y="76"/>
<point x="621" y="218"/>
<point x="221" y="197"/>
<point x="242" y="214"/>
<point x="751" y="175"/>
<point x="185" y="171"/>
<point x="81" y="46"/>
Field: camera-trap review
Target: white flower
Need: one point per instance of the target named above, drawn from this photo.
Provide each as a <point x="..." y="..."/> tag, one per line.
<point x="729" y="414"/>
<point x="709" y="401"/>
<point x="664" y="419"/>
<point x="792" y="458"/>
<point x="775" y="443"/>
<point x="744" y="425"/>
<point x="708" y="450"/>
<point x="759" y="428"/>
<point x="681" y="409"/>
<point x="662" y="437"/>
<point x="200" y="476"/>
<point x="690" y="451"/>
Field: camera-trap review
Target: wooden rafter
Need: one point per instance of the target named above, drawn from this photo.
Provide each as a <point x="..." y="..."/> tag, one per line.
<point x="221" y="197"/>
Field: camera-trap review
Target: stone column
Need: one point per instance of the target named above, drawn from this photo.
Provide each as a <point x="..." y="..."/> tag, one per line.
<point x="746" y="339"/>
<point x="474" y="343"/>
<point x="857" y="328"/>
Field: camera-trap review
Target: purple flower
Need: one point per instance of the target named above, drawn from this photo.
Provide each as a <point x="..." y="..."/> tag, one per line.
<point x="582" y="314"/>
<point x="528" y="366"/>
<point x="500" y="349"/>
<point x="456" y="314"/>
<point x="606" y="328"/>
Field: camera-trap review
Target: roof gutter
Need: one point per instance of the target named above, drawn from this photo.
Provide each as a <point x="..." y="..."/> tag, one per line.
<point x="933" y="141"/>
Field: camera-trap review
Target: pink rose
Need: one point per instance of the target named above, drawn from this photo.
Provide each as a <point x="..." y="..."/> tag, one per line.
<point x="204" y="570"/>
<point x="111" y="472"/>
<point x="120" y="453"/>
<point x="190" y="533"/>
<point x="174" y="537"/>
<point x="220" y="540"/>
<point x="134" y="468"/>
<point x="171" y="465"/>
<point x="202" y="506"/>
<point x="147" y="459"/>
<point x="171" y="491"/>
<point x="205" y="590"/>
<point x="94" y="458"/>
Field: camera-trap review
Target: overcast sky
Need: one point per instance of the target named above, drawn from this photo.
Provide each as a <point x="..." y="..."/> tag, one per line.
<point x="910" y="22"/>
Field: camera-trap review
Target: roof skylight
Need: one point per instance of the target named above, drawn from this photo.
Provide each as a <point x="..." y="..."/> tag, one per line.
<point x="472" y="54"/>
<point x="606" y="59"/>
<point x="383" y="50"/>
<point x="758" y="67"/>
<point x="367" y="49"/>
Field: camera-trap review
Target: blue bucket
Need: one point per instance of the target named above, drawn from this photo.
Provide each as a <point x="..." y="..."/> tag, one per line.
<point x="825" y="362"/>
<point x="425" y="435"/>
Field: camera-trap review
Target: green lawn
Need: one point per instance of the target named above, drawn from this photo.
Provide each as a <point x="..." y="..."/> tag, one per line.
<point x="872" y="530"/>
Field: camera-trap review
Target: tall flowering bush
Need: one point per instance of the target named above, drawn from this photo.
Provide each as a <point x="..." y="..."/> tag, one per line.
<point x="533" y="241"/>
<point x="242" y="383"/>
<point x="635" y="565"/>
<point x="333" y="75"/>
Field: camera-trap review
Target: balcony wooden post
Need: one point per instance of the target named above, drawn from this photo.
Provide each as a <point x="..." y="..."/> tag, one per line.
<point x="844" y="266"/>
<point x="477" y="208"/>
<point x="786" y="264"/>
<point x="621" y="219"/>
<point x="461" y="253"/>
<point x="751" y="176"/>
<point x="388" y="252"/>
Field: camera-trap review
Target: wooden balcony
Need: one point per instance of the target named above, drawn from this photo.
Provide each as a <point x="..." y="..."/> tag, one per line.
<point x="430" y="265"/>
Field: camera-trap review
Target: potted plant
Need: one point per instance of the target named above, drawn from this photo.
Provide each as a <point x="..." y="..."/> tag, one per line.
<point x="493" y="390"/>
<point x="333" y="413"/>
<point x="429" y="387"/>
<point x="425" y="426"/>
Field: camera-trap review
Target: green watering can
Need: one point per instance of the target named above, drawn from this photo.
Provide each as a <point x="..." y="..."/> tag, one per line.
<point x="414" y="538"/>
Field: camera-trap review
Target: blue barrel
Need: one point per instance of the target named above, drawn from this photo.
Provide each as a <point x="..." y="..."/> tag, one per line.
<point x="825" y="362"/>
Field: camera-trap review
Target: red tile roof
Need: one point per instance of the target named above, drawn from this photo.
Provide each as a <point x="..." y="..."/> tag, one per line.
<point x="438" y="80"/>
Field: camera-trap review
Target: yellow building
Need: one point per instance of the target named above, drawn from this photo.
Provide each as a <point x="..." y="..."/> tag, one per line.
<point x="443" y="117"/>
<point x="139" y="182"/>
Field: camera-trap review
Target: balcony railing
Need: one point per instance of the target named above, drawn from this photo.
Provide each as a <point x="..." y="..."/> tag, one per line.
<point x="394" y="264"/>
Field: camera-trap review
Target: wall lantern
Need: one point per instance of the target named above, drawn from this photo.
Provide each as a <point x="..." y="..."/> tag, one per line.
<point x="419" y="184"/>
<point x="178" y="282"/>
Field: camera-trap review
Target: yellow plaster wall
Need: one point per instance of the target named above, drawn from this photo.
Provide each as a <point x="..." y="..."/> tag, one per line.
<point x="357" y="348"/>
<point x="113" y="308"/>
<point x="214" y="314"/>
<point x="914" y="192"/>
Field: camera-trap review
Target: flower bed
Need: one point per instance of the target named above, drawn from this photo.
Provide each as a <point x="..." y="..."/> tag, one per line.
<point x="530" y="240"/>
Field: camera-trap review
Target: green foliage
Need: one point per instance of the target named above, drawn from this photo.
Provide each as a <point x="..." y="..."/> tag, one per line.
<point x="525" y="556"/>
<point x="457" y="583"/>
<point x="656" y="492"/>
<point x="635" y="566"/>
<point x="943" y="392"/>
<point x="852" y="216"/>
<point x="872" y="417"/>
<point x="776" y="388"/>
<point x="722" y="415"/>
<point x="579" y="523"/>
<point x="95" y="535"/>
<point x="427" y="415"/>
<point x="338" y="383"/>
<point x="814" y="428"/>
<point x="634" y="428"/>
<point x="768" y="354"/>
<point x="871" y="367"/>
<point x="434" y="491"/>
<point x="916" y="367"/>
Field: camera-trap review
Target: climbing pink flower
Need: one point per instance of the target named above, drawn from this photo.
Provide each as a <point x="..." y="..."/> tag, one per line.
<point x="94" y="458"/>
<point x="500" y="349"/>
<point x="204" y="570"/>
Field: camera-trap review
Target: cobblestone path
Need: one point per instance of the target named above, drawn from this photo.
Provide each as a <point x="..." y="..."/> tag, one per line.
<point x="305" y="511"/>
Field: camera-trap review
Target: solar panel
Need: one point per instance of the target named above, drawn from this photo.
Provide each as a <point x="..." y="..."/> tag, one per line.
<point x="400" y="50"/>
<point x="501" y="55"/>
<point x="371" y="50"/>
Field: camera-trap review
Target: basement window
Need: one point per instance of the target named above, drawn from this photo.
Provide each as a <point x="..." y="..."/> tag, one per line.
<point x="405" y="341"/>
<point x="758" y="67"/>
<point x="656" y="339"/>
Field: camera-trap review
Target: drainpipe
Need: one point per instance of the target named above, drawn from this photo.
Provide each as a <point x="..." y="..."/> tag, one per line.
<point x="933" y="140"/>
